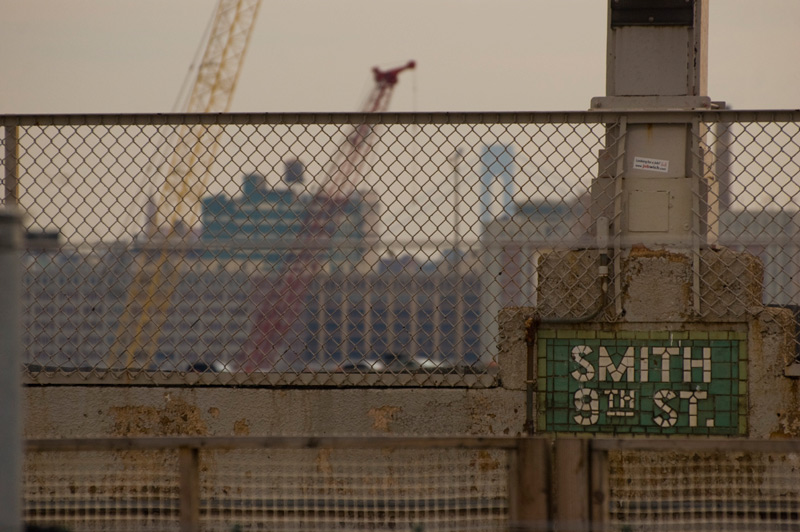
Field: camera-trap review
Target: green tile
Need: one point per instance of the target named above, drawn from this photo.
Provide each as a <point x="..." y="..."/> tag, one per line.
<point x="660" y="335"/>
<point x="546" y="333"/>
<point x="542" y="355"/>
<point x="566" y="333"/>
<point x="721" y="371"/>
<point x="605" y="334"/>
<point x="723" y="403"/>
<point x="698" y="335"/>
<point x="718" y="335"/>
<point x="679" y="335"/>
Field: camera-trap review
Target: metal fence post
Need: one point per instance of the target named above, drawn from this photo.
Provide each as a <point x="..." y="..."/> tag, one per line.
<point x="600" y="489"/>
<point x="10" y="371"/>
<point x="529" y="485"/>
<point x="189" y="460"/>
<point x="572" y="508"/>
<point x="11" y="177"/>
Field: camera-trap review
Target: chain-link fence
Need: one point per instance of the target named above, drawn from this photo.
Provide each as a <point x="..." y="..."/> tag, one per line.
<point x="684" y="485"/>
<point x="412" y="483"/>
<point x="350" y="248"/>
<point x="291" y="484"/>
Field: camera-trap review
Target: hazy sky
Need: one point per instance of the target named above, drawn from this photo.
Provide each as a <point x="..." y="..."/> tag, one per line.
<point x="97" y="56"/>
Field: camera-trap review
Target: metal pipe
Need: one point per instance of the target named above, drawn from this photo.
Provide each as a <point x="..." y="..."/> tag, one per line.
<point x="11" y="165"/>
<point x="604" y="260"/>
<point x="10" y="371"/>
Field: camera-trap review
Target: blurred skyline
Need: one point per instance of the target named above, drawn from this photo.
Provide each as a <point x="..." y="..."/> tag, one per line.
<point x="125" y="56"/>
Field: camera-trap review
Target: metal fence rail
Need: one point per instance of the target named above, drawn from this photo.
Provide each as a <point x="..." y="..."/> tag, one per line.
<point x="277" y="251"/>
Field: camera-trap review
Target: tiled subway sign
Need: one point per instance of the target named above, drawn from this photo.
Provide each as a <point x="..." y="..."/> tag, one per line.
<point x="653" y="382"/>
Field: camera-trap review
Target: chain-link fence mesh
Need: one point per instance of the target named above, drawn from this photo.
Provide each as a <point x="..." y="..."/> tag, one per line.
<point x="365" y="486"/>
<point x="698" y="491"/>
<point x="756" y="174"/>
<point x="367" y="490"/>
<point x="361" y="249"/>
<point x="102" y="491"/>
<point x="279" y="249"/>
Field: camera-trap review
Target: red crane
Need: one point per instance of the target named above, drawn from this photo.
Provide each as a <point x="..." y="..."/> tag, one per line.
<point x="277" y="318"/>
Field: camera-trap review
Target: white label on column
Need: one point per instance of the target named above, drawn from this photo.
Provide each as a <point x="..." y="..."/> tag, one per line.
<point x="654" y="165"/>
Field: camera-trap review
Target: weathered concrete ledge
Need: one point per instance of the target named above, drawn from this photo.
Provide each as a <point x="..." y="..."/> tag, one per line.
<point x="101" y="411"/>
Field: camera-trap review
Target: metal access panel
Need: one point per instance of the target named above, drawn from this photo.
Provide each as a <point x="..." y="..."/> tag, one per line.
<point x="651" y="61"/>
<point x="659" y="210"/>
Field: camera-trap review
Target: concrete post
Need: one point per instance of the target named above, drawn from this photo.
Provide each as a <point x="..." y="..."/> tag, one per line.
<point x="10" y="372"/>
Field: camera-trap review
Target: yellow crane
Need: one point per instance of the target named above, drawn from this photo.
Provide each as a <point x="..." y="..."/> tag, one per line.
<point x="192" y="149"/>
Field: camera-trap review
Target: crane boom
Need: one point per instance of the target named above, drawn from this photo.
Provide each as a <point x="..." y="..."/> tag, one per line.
<point x="279" y="313"/>
<point x="352" y="153"/>
<point x="191" y="153"/>
<point x="218" y="73"/>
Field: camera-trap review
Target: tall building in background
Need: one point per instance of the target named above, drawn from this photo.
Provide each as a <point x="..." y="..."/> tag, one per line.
<point x="261" y="223"/>
<point x="497" y="182"/>
<point x="267" y="224"/>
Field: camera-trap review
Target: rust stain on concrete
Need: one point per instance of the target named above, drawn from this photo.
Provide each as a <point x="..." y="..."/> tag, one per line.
<point x="383" y="416"/>
<point x="483" y="415"/>
<point x="213" y="412"/>
<point x="485" y="462"/>
<point x="241" y="427"/>
<point x="176" y="417"/>
<point x="639" y="251"/>
<point x="789" y="419"/>
<point x="323" y="462"/>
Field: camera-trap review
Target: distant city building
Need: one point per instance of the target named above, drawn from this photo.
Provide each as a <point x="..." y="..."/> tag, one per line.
<point x="267" y="224"/>
<point x="260" y="223"/>
<point x="73" y="304"/>
<point x="774" y="237"/>
<point x="497" y="182"/>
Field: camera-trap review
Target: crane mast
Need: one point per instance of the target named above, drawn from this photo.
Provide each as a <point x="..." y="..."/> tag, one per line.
<point x="191" y="153"/>
<point x="284" y="303"/>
